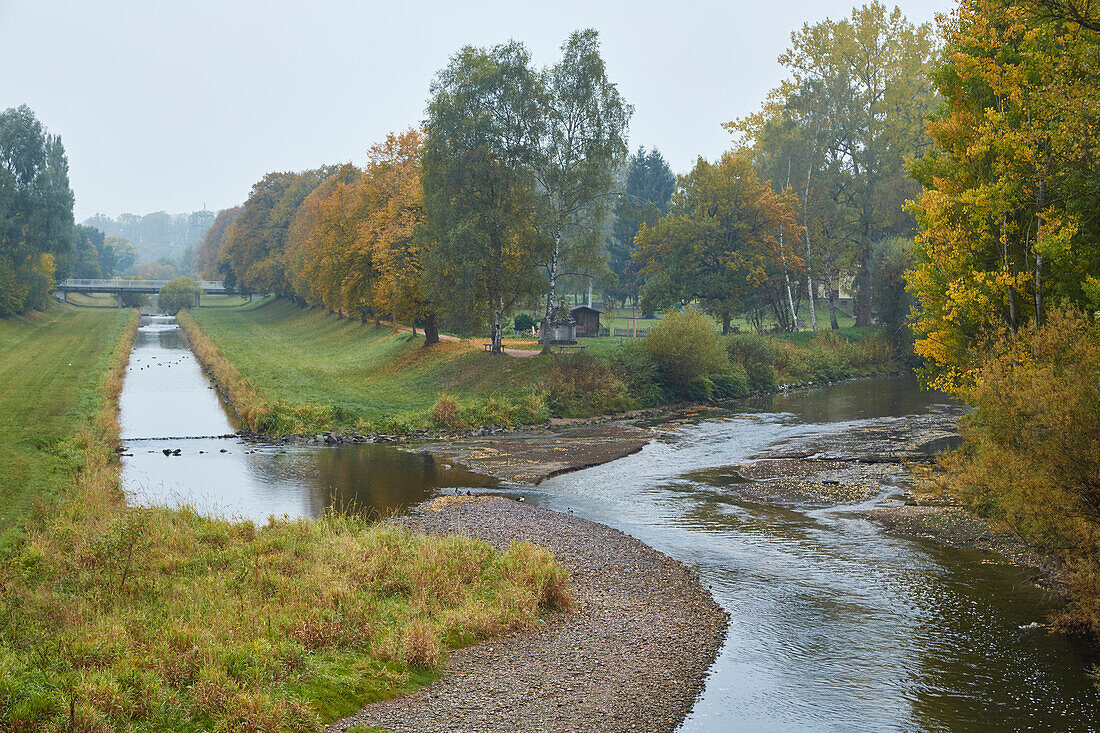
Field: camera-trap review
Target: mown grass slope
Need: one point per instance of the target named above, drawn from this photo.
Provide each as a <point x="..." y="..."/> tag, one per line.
<point x="366" y="373"/>
<point x="50" y="367"/>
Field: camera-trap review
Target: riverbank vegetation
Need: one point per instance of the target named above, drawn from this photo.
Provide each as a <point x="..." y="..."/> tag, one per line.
<point x="114" y="616"/>
<point x="287" y="369"/>
<point x="1006" y="275"/>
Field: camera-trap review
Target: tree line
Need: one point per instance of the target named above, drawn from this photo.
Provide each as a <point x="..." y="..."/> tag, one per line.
<point x="518" y="183"/>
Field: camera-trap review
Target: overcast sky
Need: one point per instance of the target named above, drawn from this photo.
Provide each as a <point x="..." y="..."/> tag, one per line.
<point x="176" y="105"/>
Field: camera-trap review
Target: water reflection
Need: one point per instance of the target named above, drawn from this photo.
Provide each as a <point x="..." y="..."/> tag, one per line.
<point x="167" y="404"/>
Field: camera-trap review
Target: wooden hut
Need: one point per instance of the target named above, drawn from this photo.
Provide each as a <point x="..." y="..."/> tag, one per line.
<point x="588" y="320"/>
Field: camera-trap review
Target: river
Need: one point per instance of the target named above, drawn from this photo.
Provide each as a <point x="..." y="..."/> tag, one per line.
<point x="834" y="624"/>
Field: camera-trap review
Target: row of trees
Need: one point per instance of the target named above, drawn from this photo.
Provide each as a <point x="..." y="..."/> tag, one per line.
<point x="503" y="195"/>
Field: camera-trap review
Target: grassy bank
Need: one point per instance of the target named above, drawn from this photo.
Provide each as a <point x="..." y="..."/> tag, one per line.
<point x="51" y="365"/>
<point x="315" y="371"/>
<point x="124" y="618"/>
<point x="289" y="370"/>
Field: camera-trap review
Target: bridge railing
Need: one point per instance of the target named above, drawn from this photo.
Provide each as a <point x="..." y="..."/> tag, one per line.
<point x="121" y="284"/>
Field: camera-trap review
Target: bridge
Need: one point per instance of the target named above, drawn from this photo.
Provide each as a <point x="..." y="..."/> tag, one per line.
<point x="120" y="287"/>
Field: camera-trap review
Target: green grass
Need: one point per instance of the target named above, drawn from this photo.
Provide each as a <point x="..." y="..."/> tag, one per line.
<point x="366" y="374"/>
<point x="50" y="365"/>
<point x="93" y="300"/>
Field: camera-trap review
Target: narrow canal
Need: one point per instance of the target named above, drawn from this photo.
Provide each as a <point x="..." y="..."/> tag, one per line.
<point x="834" y="624"/>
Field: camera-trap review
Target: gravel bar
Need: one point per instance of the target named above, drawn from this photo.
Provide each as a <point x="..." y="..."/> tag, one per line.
<point x="632" y="658"/>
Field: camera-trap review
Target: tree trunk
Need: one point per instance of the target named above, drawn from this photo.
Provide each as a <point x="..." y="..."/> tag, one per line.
<point x="1040" y="201"/>
<point x="863" y="293"/>
<point x="806" y="228"/>
<point x="498" y="332"/>
<point x="431" y="330"/>
<point x="832" y="308"/>
<point x="550" y="291"/>
<point x="725" y="323"/>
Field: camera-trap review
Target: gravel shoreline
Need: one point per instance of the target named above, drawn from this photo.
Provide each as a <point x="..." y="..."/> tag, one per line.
<point x="633" y="657"/>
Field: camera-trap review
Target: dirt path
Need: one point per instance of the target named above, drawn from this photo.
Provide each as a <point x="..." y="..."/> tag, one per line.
<point x="632" y="658"/>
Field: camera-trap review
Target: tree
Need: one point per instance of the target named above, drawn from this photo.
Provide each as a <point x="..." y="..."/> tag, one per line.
<point x="327" y="262"/>
<point x="719" y="243"/>
<point x="183" y="292"/>
<point x="1010" y="188"/>
<point x="213" y="241"/>
<point x="36" y="210"/>
<point x="855" y="104"/>
<point x="254" y="242"/>
<point x="647" y="187"/>
<point x="393" y="200"/>
<point x="579" y="145"/>
<point x="84" y="259"/>
<point x="481" y="212"/>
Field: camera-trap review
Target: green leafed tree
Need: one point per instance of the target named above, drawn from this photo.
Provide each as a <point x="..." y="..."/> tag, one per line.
<point x="481" y="211"/>
<point x="839" y="130"/>
<point x="579" y="145"/>
<point x="647" y="187"/>
<point x="183" y="292"/>
<point x="36" y="210"/>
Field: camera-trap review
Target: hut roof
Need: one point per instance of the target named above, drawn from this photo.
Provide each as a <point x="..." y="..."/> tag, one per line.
<point x="576" y="308"/>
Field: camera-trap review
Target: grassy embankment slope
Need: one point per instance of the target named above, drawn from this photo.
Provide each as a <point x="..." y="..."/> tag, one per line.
<point x="51" y="365"/>
<point x="320" y="371"/>
<point x="289" y="370"/>
<point x="154" y="619"/>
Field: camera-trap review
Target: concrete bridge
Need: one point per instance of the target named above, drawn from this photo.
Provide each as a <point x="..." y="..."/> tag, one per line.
<point x="120" y="287"/>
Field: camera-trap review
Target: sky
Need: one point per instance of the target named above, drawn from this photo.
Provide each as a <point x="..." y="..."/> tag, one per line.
<point x="177" y="106"/>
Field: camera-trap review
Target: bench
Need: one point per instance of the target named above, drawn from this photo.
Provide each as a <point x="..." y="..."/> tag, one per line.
<point x="566" y="348"/>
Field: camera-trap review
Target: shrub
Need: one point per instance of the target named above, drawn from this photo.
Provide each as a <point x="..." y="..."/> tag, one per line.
<point x="582" y="385"/>
<point x="732" y="383"/>
<point x="1031" y="456"/>
<point x="685" y="346"/>
<point x="177" y="294"/>
<point x="639" y="371"/>
<point x="523" y="321"/>
<point x="445" y="413"/>
<point x="756" y="356"/>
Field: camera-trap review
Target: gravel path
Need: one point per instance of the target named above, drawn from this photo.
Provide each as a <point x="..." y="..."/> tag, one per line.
<point x="632" y="658"/>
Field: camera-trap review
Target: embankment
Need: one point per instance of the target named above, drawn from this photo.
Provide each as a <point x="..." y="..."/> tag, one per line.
<point x="289" y="370"/>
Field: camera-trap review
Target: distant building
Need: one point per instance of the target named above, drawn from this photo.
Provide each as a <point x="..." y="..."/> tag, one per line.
<point x="588" y="320"/>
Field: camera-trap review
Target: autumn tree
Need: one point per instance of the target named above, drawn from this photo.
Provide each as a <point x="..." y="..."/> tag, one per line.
<point x="213" y="241"/>
<point x="325" y="262"/>
<point x="252" y="256"/>
<point x="719" y="243"/>
<point x="481" y="211"/>
<point x="392" y="201"/>
<point x="1009" y="197"/>
<point x="845" y="121"/>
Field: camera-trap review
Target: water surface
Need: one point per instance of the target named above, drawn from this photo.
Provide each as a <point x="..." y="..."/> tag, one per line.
<point x="167" y="403"/>
<point x="835" y="625"/>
